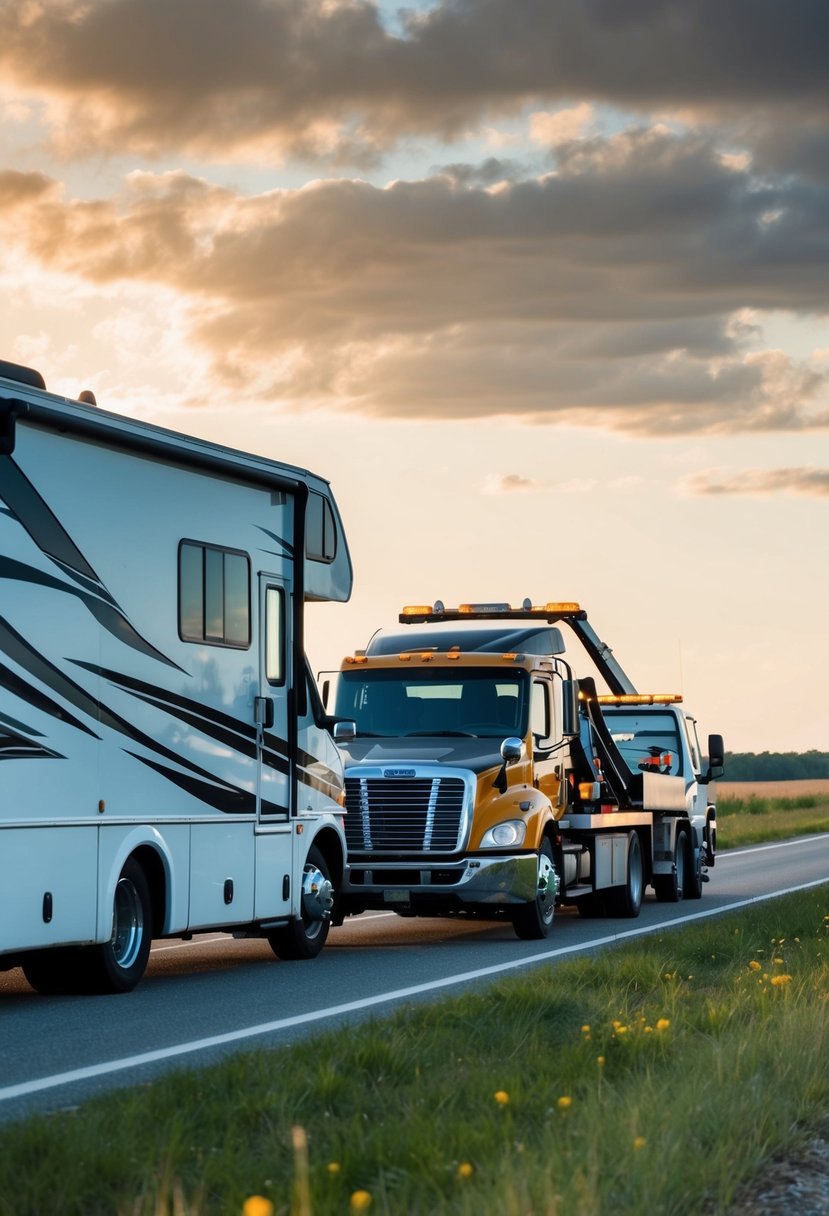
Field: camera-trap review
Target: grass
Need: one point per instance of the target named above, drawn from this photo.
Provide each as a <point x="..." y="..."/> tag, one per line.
<point x="756" y="819"/>
<point x="653" y="1077"/>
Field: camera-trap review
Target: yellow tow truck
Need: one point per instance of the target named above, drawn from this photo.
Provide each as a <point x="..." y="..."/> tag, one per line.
<point x="484" y="778"/>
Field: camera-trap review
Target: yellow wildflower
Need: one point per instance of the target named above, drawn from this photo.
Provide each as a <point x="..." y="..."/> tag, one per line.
<point x="257" y="1205"/>
<point x="333" y="1167"/>
<point x="663" y="1024"/>
<point x="585" y="1029"/>
<point x="779" y="980"/>
<point x="501" y="1097"/>
<point x="466" y="1169"/>
<point x="600" y="1061"/>
<point x="564" y="1102"/>
<point x="755" y="966"/>
<point x="639" y="1142"/>
<point x="778" y="961"/>
<point x="361" y="1201"/>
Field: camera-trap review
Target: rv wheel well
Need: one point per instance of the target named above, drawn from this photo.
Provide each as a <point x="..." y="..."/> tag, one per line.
<point x="328" y="843"/>
<point x="153" y="868"/>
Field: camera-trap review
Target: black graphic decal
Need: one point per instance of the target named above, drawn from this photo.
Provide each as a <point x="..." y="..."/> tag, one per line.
<point x="287" y="547"/>
<point x="107" y="614"/>
<point x="222" y="797"/>
<point x="14" y="746"/>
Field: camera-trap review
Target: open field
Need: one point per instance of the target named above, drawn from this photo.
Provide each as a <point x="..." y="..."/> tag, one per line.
<point x="772" y="789"/>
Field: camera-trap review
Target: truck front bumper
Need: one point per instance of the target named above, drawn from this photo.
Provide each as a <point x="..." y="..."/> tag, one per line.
<point x="480" y="881"/>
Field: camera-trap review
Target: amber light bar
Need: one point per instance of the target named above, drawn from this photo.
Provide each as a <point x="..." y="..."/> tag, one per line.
<point x="640" y="698"/>
<point x="554" y="610"/>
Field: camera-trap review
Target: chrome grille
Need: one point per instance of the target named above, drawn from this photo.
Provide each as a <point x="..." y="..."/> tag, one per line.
<point x="404" y="814"/>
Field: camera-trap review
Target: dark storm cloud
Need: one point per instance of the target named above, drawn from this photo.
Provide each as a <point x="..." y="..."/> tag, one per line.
<point x="316" y="79"/>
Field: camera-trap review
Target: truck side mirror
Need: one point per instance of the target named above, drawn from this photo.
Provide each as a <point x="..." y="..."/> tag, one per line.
<point x="569" y="707"/>
<point x="716" y="758"/>
<point x="512" y="749"/>
<point x="344" y="731"/>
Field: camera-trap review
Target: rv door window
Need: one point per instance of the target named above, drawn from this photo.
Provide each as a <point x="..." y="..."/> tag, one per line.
<point x="214" y="595"/>
<point x="275" y="635"/>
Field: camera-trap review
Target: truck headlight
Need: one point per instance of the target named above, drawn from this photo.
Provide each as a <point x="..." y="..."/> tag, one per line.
<point x="510" y="832"/>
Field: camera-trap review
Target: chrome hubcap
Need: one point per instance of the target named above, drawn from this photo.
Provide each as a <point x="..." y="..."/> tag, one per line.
<point x="127" y="924"/>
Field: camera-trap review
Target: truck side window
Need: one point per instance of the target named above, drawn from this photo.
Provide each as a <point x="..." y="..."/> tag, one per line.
<point x="213" y="595"/>
<point x="541" y="711"/>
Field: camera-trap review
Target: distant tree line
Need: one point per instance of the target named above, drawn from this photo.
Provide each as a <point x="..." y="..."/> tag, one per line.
<point x="776" y="766"/>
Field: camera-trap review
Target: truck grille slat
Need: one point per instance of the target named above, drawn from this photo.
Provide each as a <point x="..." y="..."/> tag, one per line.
<point x="422" y="815"/>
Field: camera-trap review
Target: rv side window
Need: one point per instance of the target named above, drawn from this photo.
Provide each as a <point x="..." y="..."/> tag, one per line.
<point x="275" y="635"/>
<point x="213" y="595"/>
<point x="320" y="533"/>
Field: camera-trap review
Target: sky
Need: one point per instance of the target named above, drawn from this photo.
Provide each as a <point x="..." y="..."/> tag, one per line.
<point x="540" y="286"/>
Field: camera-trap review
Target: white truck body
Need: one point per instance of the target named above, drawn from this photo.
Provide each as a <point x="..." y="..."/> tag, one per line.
<point x="155" y="703"/>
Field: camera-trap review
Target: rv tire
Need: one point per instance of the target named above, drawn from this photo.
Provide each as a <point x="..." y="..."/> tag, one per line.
<point x="53" y="972"/>
<point x="118" y="964"/>
<point x="305" y="935"/>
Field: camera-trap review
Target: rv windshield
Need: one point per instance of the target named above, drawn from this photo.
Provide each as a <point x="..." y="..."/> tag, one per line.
<point x="648" y="741"/>
<point x="433" y="701"/>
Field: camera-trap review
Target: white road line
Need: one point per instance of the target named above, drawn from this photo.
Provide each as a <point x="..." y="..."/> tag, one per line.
<point x="25" y="1088"/>
<point x="762" y="848"/>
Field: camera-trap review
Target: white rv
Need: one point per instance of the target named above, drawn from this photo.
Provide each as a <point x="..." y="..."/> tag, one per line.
<point x="166" y="763"/>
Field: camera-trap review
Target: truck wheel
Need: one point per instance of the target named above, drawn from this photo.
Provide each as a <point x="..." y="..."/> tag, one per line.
<point x="627" y="899"/>
<point x="535" y="920"/>
<point x="306" y="935"/>
<point x="118" y="964"/>
<point x="670" y="888"/>
<point x="693" y="872"/>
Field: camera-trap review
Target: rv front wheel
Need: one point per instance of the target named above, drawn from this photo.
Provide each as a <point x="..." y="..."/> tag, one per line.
<point x="118" y="964"/>
<point x="305" y="935"/>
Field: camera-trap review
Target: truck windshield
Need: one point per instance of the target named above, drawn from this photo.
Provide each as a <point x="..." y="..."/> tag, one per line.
<point x="433" y="701"/>
<point x="648" y="741"/>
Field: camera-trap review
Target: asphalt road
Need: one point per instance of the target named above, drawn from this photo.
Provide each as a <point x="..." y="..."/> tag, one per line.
<point x="204" y="999"/>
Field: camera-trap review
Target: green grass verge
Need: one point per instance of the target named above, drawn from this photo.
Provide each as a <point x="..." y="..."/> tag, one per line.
<point x="754" y="820"/>
<point x="652" y="1077"/>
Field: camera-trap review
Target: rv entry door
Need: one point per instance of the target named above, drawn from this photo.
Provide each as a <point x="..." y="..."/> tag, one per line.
<point x="271" y="706"/>
<point x="274" y="838"/>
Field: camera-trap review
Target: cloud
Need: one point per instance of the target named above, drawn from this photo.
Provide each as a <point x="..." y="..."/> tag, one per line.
<point x="235" y="79"/>
<point x="510" y="483"/>
<point x="810" y="481"/>
<point x="626" y="289"/>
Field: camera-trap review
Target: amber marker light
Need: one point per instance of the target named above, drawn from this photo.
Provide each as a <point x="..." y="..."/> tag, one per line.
<point x="564" y="606"/>
<point x="417" y="610"/>
<point x="356" y="658"/>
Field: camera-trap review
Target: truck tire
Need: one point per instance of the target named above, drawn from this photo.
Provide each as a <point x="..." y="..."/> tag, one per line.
<point x="670" y="888"/>
<point x="534" y="920"/>
<point x="305" y="935"/>
<point x="626" y="900"/>
<point x="693" y="872"/>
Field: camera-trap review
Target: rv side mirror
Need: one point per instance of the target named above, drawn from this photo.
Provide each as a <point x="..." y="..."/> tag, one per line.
<point x="570" y="707"/>
<point x="344" y="731"/>
<point x="512" y="749"/>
